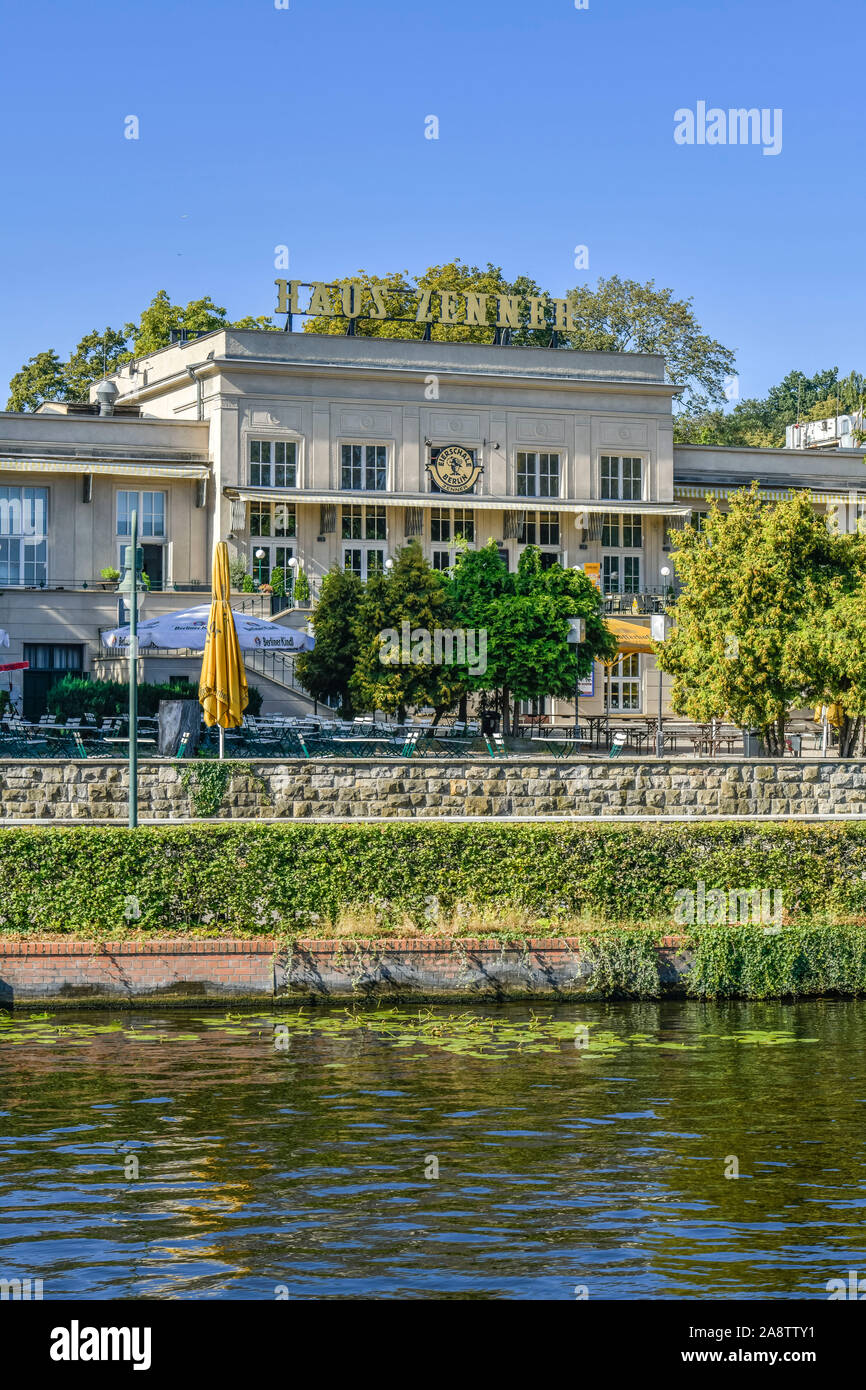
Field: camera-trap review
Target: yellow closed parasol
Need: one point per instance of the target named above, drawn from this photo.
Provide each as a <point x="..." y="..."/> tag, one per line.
<point x="223" y="693"/>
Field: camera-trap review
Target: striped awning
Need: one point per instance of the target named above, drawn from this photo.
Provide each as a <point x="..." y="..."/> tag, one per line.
<point x="118" y="469"/>
<point x="630" y="637"/>
<point x="458" y="499"/>
<point x="709" y="493"/>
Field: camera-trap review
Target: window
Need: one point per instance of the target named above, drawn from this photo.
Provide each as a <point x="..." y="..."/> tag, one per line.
<point x="625" y="683"/>
<point x="538" y="528"/>
<point x="363" y="560"/>
<point x="447" y="524"/>
<point x="151" y="513"/>
<point x="23" y="548"/>
<point x="698" y="520"/>
<point x="48" y="656"/>
<point x="273" y="519"/>
<point x="363" y="523"/>
<point x="364" y="467"/>
<point x="538" y="475"/>
<point x="621" y="478"/>
<point x="275" y="557"/>
<point x="441" y="560"/>
<point x="273" y="463"/>
<point x="621" y="574"/>
<point x="628" y="528"/>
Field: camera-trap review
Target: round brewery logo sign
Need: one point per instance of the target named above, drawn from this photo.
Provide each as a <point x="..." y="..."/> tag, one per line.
<point x="454" y="469"/>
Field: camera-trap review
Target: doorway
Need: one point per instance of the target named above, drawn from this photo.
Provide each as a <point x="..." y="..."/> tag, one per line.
<point x="49" y="663"/>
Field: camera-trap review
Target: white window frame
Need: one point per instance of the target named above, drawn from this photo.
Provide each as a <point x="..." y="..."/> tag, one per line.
<point x="140" y="493"/>
<point x="27" y="536"/>
<point x="364" y="444"/>
<point x="630" y="681"/>
<point x="622" y="558"/>
<point x="366" y="548"/>
<point x="448" y="516"/>
<point x="537" y="454"/>
<point x="617" y="481"/>
<point x="254" y="437"/>
<point x="290" y="517"/>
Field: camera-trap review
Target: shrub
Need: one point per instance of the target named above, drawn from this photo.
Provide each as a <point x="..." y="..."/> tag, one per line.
<point x="249" y="585"/>
<point x="278" y="581"/>
<point x="302" y="587"/>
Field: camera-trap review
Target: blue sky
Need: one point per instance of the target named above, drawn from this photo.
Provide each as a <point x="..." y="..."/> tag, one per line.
<point x="305" y="127"/>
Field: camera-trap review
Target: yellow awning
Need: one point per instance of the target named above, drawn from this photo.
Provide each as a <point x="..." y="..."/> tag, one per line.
<point x="630" y="637"/>
<point x="120" y="470"/>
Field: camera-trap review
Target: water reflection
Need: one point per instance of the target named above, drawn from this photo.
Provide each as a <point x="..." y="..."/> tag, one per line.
<point x="298" y="1158"/>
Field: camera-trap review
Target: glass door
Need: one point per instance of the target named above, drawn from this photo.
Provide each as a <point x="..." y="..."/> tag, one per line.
<point x="364" y="560"/>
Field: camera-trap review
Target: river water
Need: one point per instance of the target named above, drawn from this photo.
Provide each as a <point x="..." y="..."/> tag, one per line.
<point x="517" y="1152"/>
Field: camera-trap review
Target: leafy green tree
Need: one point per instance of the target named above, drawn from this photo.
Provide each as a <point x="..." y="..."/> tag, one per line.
<point x="302" y="587"/>
<point x="752" y="580"/>
<point x="760" y="423"/>
<point x="828" y="652"/>
<point x="525" y="618"/>
<point x="616" y="316"/>
<point x="414" y="594"/>
<point x="627" y="316"/>
<point x="400" y="290"/>
<point x="326" y="671"/>
<point x="41" y="379"/>
<point x="46" y="378"/>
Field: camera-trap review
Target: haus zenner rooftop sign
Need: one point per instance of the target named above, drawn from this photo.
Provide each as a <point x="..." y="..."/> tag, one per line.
<point x="356" y="300"/>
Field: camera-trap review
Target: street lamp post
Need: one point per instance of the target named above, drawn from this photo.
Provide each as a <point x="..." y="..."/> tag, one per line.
<point x="659" y="624"/>
<point x="132" y="564"/>
<point x="576" y="635"/>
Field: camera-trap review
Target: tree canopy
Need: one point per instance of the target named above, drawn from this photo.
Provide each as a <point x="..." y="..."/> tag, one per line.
<point x="45" y="377"/>
<point x="771" y="616"/>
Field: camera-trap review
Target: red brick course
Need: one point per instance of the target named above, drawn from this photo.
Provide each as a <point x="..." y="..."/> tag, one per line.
<point x="65" y="971"/>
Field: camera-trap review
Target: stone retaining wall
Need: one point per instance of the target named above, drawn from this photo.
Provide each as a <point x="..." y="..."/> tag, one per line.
<point x="181" y="972"/>
<point x="96" y="790"/>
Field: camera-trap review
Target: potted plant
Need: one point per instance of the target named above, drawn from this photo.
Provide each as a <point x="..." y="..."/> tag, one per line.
<point x="302" y="589"/>
<point x="110" y="575"/>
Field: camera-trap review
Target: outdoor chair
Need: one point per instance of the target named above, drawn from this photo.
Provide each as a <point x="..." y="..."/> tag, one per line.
<point x="496" y="745"/>
<point x="616" y="747"/>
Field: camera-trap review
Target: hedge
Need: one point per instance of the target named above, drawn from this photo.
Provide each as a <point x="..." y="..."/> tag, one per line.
<point x="259" y="877"/>
<point x="74" y="696"/>
<point x="614" y="885"/>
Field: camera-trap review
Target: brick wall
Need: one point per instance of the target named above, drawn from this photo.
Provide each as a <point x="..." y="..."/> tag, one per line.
<point x="97" y="790"/>
<point x="81" y="972"/>
<point x="90" y="973"/>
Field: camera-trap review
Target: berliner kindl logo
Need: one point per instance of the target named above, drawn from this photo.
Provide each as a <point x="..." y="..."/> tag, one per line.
<point x="454" y="469"/>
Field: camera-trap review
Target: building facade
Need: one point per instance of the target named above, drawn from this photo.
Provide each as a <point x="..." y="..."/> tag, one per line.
<point x="307" y="450"/>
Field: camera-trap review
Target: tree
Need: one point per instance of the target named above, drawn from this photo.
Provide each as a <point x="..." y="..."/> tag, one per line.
<point x="760" y="423"/>
<point x="46" y="378"/>
<point x="752" y="579"/>
<point x="326" y="671"/>
<point x="400" y="295"/>
<point x="829" y="652"/>
<point x="627" y="316"/>
<point x="410" y="601"/>
<point x="617" y="316"/>
<point x="525" y="617"/>
<point x="41" y="379"/>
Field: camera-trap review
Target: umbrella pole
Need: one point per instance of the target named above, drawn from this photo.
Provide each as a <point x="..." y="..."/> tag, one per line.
<point x="222" y="741"/>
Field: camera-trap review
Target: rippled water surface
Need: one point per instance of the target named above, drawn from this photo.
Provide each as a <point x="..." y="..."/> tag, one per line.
<point x="579" y="1145"/>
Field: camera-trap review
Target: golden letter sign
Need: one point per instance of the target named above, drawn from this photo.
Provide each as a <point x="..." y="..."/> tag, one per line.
<point x="454" y="469"/>
<point x="355" y="300"/>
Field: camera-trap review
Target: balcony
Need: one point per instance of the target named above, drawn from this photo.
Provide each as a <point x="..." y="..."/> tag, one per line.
<point x="642" y="601"/>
